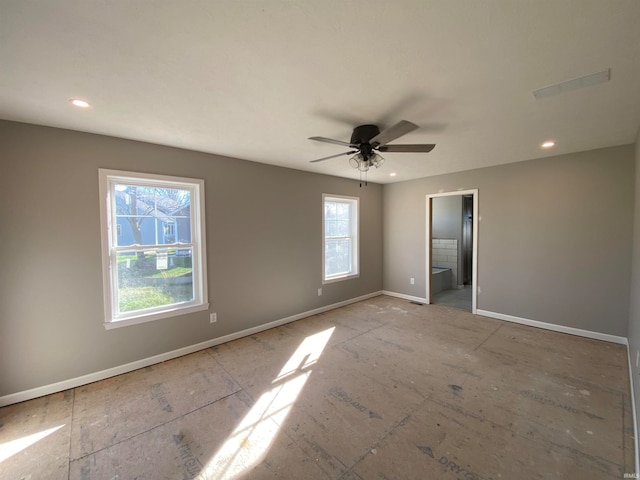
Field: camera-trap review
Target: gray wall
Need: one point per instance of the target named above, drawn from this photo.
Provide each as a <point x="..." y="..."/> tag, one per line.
<point x="446" y="217"/>
<point x="554" y="237"/>
<point x="634" y="314"/>
<point x="263" y="245"/>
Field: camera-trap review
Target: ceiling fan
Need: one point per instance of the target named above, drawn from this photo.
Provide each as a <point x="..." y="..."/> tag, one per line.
<point x="367" y="140"/>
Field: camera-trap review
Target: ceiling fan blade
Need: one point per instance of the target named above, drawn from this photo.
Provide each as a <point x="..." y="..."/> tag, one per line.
<point x="331" y="140"/>
<point x="333" y="156"/>
<point x="425" y="147"/>
<point x="399" y="129"/>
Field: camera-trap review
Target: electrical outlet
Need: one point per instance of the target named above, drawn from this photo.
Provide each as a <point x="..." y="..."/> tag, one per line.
<point x="319" y="292"/>
<point x="213" y="318"/>
<point x="412" y="281"/>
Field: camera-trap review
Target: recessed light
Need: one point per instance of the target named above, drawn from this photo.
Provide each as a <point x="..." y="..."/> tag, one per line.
<point x="80" y="103"/>
<point x="548" y="144"/>
<point x="392" y="174"/>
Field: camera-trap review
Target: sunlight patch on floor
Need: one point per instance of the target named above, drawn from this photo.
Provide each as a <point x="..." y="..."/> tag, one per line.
<point x="8" y="449"/>
<point x="307" y="353"/>
<point x="250" y="441"/>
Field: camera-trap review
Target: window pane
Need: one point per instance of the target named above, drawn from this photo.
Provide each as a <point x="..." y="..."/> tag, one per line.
<point x="337" y="257"/>
<point x="337" y="228"/>
<point x="337" y="219"/>
<point x="154" y="278"/>
<point x="152" y="215"/>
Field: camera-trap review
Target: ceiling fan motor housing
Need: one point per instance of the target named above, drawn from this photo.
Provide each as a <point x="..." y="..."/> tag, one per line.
<point x="363" y="134"/>
<point x="361" y="137"/>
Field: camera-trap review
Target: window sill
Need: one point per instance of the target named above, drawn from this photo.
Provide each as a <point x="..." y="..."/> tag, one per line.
<point x="339" y="279"/>
<point x="154" y="316"/>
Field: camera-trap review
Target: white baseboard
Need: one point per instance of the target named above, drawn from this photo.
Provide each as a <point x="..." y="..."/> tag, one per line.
<point x="163" y="357"/>
<point x="556" y="328"/>
<point x="405" y="297"/>
<point x="633" y="412"/>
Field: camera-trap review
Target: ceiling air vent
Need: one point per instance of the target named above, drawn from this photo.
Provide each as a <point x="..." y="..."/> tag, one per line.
<point x="576" y="83"/>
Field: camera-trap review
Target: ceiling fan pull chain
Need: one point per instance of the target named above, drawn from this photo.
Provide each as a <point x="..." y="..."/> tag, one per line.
<point x="365" y="178"/>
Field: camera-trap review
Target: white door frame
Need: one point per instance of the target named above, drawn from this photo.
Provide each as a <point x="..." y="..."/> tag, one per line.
<point x="474" y="272"/>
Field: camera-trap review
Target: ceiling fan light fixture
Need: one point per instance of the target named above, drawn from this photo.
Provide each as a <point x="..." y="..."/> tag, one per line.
<point x="376" y="160"/>
<point x="359" y="162"/>
<point x="363" y="163"/>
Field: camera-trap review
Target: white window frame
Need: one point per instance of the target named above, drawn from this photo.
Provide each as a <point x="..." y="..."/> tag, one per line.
<point x="355" y="237"/>
<point x="107" y="181"/>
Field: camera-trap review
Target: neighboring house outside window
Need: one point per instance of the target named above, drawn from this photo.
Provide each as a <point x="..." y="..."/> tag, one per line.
<point x="153" y="246"/>
<point x="169" y="232"/>
<point x="340" y="252"/>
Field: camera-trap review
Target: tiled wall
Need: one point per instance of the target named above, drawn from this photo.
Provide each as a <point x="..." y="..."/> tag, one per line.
<point x="444" y="254"/>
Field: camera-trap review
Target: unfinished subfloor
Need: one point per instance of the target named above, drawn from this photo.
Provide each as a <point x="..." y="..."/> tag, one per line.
<point x="381" y="389"/>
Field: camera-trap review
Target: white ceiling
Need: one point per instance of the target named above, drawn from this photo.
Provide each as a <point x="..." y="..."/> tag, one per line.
<point x="255" y="79"/>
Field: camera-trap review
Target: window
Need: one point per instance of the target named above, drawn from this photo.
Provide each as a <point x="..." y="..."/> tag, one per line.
<point x="153" y="246"/>
<point x="339" y="237"/>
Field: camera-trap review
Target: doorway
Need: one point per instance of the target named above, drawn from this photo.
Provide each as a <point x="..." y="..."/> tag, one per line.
<point x="452" y="238"/>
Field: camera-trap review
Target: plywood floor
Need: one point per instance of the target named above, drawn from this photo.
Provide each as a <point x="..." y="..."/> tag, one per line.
<point x="381" y="389"/>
